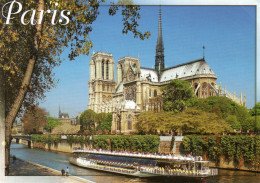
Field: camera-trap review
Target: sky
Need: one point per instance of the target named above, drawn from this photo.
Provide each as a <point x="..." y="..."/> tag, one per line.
<point x="227" y="32"/>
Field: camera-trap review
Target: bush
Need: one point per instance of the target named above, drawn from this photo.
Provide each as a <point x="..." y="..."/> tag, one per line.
<point x="232" y="147"/>
<point x="100" y="142"/>
<point x="36" y="138"/>
<point x="70" y="139"/>
<point x="87" y="140"/>
<point x="145" y="143"/>
<point x="172" y="142"/>
<point x="213" y="149"/>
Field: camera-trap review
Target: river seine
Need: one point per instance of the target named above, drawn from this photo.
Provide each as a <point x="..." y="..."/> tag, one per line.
<point x="59" y="160"/>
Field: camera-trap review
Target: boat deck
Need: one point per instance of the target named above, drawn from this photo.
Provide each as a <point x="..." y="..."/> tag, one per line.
<point x="139" y="155"/>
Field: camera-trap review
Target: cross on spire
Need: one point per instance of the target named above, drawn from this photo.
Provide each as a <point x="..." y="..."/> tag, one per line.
<point x="203" y="47"/>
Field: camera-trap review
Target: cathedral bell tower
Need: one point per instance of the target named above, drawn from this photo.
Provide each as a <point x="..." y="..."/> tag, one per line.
<point x="102" y="82"/>
<point x="159" y="57"/>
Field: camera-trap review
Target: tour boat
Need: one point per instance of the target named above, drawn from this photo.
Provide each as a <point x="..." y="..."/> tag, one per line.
<point x="143" y="165"/>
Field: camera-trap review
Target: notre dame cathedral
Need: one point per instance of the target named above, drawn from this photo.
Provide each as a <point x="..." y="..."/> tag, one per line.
<point x="136" y="88"/>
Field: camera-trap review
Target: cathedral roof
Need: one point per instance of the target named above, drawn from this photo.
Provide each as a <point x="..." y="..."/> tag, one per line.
<point x="64" y="115"/>
<point x="130" y="104"/>
<point x="102" y="53"/>
<point x="147" y="73"/>
<point x="189" y="69"/>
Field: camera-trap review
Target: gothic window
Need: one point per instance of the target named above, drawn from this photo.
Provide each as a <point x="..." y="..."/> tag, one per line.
<point x="107" y="71"/>
<point x="129" y="122"/>
<point x="150" y="93"/>
<point x="204" y="90"/>
<point x="103" y="63"/>
<point x="107" y="87"/>
<point x="155" y="93"/>
<point x="195" y="86"/>
<point x="211" y="90"/>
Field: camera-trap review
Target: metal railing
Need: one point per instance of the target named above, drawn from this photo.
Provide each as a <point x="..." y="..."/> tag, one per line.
<point x="179" y="172"/>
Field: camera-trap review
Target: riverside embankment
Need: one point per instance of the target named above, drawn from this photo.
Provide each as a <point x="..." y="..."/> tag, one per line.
<point x="228" y="152"/>
<point x="26" y="168"/>
<point x="59" y="160"/>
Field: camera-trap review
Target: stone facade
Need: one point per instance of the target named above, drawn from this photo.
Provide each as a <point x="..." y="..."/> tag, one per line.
<point x="137" y="89"/>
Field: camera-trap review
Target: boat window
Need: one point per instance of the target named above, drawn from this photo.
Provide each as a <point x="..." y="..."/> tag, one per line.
<point x="121" y="159"/>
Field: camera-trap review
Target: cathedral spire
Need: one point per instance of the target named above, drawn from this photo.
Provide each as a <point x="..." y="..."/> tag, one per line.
<point x="159" y="38"/>
<point x="159" y="58"/>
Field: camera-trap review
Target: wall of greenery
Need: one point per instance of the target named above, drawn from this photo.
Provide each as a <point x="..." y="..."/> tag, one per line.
<point x="52" y="139"/>
<point x="138" y="143"/>
<point x="46" y="139"/>
<point x="231" y="147"/>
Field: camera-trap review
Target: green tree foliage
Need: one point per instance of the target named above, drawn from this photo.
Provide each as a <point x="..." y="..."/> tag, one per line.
<point x="93" y="122"/>
<point x="177" y="95"/>
<point x="224" y="107"/>
<point x="150" y="122"/>
<point x="189" y="121"/>
<point x="197" y="121"/>
<point x="254" y="121"/>
<point x="250" y="123"/>
<point x="255" y="111"/>
<point x="87" y="120"/>
<point x="232" y="120"/>
<point x="51" y="123"/>
<point x="258" y="123"/>
<point x="107" y="123"/>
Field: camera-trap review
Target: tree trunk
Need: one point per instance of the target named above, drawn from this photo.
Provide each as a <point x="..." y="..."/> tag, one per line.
<point x="2" y="122"/>
<point x="24" y="88"/>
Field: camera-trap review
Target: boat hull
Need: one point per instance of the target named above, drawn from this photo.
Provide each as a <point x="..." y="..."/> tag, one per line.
<point x="135" y="174"/>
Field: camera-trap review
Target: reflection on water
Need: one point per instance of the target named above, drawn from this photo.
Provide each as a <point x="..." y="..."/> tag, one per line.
<point x="59" y="160"/>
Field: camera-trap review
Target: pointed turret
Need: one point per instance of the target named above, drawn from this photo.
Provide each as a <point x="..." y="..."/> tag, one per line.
<point x="159" y="58"/>
<point x="245" y="99"/>
<point x="241" y="98"/>
<point x="59" y="111"/>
